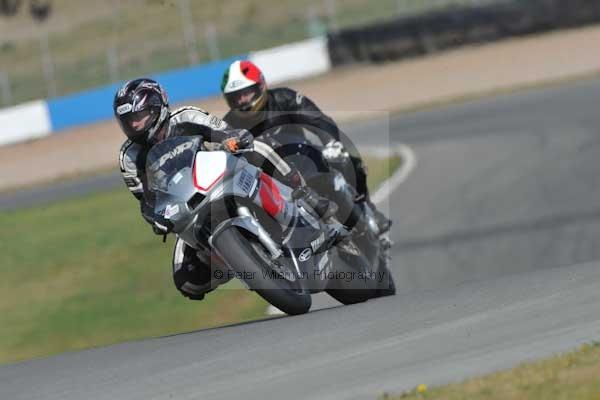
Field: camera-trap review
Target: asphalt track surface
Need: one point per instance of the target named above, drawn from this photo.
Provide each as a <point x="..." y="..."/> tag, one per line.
<point x="496" y="241"/>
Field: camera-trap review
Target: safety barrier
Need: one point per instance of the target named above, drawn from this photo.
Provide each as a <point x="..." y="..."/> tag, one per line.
<point x="293" y="61"/>
<point x="458" y="26"/>
<point x="96" y="105"/>
<point x="41" y="118"/>
<point x="24" y="122"/>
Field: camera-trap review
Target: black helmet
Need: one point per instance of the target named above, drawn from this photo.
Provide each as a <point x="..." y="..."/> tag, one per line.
<point x="141" y="107"/>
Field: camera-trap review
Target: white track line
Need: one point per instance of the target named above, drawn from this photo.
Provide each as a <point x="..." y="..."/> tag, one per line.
<point x="408" y="164"/>
<point x="272" y="310"/>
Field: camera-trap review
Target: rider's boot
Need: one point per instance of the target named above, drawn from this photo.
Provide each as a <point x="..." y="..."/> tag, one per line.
<point x="383" y="223"/>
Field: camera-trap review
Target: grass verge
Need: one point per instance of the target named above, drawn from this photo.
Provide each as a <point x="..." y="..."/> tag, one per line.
<point x="88" y="272"/>
<point x="573" y="376"/>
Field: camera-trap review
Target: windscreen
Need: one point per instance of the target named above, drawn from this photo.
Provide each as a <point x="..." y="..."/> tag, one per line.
<point x="168" y="158"/>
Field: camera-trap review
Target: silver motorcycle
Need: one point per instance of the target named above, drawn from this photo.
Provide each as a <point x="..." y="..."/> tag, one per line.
<point x="252" y="228"/>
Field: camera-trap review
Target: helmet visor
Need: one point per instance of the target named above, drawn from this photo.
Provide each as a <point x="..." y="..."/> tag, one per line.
<point x="244" y="99"/>
<point x="137" y="124"/>
<point x="140" y="121"/>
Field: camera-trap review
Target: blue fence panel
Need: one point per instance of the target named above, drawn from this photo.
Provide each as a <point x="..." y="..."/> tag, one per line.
<point x="96" y="105"/>
<point x="82" y="108"/>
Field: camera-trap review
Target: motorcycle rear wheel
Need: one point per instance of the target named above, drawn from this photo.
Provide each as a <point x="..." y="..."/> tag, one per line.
<point x="385" y="287"/>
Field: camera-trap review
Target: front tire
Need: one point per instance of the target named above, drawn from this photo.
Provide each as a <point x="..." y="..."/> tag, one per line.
<point x="246" y="254"/>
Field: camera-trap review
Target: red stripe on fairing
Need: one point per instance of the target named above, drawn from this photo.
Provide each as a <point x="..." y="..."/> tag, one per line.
<point x="209" y="186"/>
<point x="270" y="196"/>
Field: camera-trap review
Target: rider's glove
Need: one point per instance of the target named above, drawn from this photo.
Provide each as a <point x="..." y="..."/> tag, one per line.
<point x="238" y="139"/>
<point x="294" y="178"/>
<point x="334" y="150"/>
<point x="231" y="144"/>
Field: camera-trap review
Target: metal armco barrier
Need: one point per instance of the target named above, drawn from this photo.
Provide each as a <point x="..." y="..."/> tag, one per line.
<point x="457" y="26"/>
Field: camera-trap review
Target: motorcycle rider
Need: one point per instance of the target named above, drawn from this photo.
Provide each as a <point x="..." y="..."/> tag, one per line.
<point x="262" y="111"/>
<point x="142" y="110"/>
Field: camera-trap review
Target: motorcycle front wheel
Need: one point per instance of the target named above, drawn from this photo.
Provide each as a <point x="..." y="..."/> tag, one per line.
<point x="246" y="255"/>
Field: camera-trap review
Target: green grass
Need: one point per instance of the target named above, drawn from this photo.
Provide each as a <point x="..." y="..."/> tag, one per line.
<point x="89" y="272"/>
<point x="572" y="376"/>
<point x="380" y="169"/>
<point x="148" y="35"/>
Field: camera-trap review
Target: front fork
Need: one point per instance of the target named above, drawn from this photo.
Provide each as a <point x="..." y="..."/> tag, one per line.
<point x="263" y="236"/>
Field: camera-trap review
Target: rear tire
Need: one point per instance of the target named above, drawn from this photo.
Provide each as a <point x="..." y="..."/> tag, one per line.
<point x="348" y="297"/>
<point x="388" y="286"/>
<point x="244" y="255"/>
